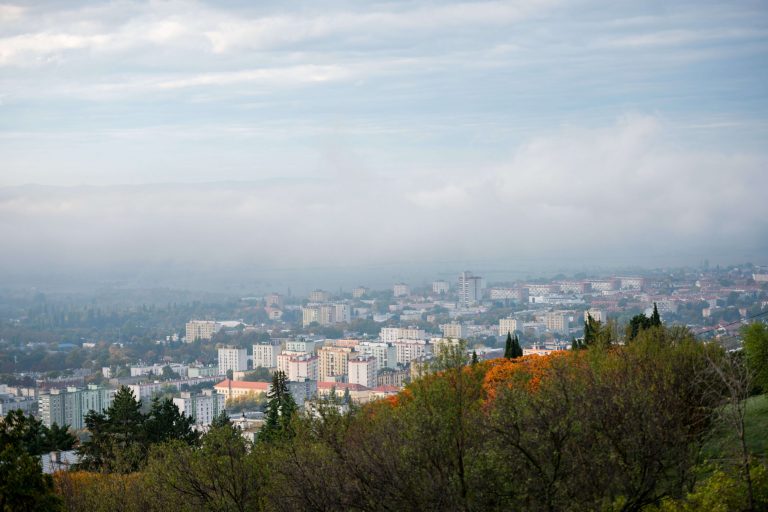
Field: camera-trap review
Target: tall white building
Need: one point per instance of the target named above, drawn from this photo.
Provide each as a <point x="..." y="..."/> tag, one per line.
<point x="203" y="407"/>
<point x="596" y="314"/>
<point x="360" y="291"/>
<point x="385" y="353"/>
<point x="70" y="406"/>
<point x="265" y="354"/>
<point x="363" y="370"/>
<point x="235" y="359"/>
<point x="302" y="367"/>
<point x="470" y="289"/>
<point x="407" y="351"/>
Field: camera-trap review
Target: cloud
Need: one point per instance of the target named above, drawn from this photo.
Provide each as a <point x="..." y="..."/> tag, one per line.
<point x="620" y="189"/>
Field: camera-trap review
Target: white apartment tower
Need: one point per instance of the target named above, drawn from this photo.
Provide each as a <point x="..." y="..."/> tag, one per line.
<point x="363" y="370"/>
<point x="265" y="354"/>
<point x="470" y="289"/>
<point x="440" y="287"/>
<point x="235" y="359"/>
<point x="401" y="290"/>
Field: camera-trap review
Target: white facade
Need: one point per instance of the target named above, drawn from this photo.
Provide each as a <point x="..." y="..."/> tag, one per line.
<point x="360" y="291"/>
<point x="301" y="367"/>
<point x="70" y="406"/>
<point x="596" y="314"/>
<point x="363" y="370"/>
<point x="265" y="354"/>
<point x="391" y="334"/>
<point x="235" y="359"/>
<point x="470" y="289"/>
<point x="202" y="407"/>
<point x="408" y="350"/>
<point x="385" y="353"/>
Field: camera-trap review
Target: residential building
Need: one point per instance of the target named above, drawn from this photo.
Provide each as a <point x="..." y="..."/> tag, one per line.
<point x="596" y="314"/>
<point x="557" y="321"/>
<point x="441" y="287"/>
<point x="407" y="351"/>
<point x="389" y="377"/>
<point x="385" y="353"/>
<point x="507" y="325"/>
<point x="236" y="388"/>
<point x="333" y="362"/>
<point x="301" y="345"/>
<point x="470" y="289"/>
<point x="302" y="390"/>
<point x="70" y="406"/>
<point x="201" y="330"/>
<point x="319" y="296"/>
<point x="265" y="354"/>
<point x="390" y="334"/>
<point x="302" y="366"/>
<point x="363" y="370"/>
<point x="235" y="359"/>
<point x="401" y="290"/>
<point x="453" y="330"/>
<point x="274" y="300"/>
<point x="202" y="407"/>
<point x="359" y="292"/>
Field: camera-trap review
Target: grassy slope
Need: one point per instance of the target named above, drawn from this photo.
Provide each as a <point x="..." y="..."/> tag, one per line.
<point x="724" y="443"/>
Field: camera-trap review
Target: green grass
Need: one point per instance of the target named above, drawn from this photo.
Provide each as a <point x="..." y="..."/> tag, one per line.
<point x="724" y="443"/>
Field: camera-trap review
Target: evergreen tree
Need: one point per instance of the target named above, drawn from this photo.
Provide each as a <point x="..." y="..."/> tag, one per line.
<point x="655" y="317"/>
<point x="474" y="357"/>
<point x="508" y="347"/>
<point x="347" y="397"/>
<point x="221" y="420"/>
<point x="591" y="330"/>
<point x="517" y="350"/>
<point x="280" y="409"/>
<point x="577" y="344"/>
<point x="636" y="324"/>
<point x="164" y="422"/>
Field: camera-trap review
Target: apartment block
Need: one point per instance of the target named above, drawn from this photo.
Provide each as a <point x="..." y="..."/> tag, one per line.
<point x="202" y="407"/>
<point x="235" y="359"/>
<point x="362" y="370"/>
<point x="265" y="354"/>
<point x="201" y="330"/>
<point x="333" y="362"/>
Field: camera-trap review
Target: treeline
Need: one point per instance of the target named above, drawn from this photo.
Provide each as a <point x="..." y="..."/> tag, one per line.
<point x="605" y="427"/>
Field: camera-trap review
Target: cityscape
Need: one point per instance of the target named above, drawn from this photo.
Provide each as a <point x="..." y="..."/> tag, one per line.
<point x="379" y="256"/>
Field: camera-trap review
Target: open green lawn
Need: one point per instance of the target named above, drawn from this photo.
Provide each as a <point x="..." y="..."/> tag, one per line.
<point x="724" y="443"/>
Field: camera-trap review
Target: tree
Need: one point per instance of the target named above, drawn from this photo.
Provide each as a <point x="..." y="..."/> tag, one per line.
<point x="474" y="357"/>
<point x="164" y="422"/>
<point x="508" y="351"/>
<point x="221" y="420"/>
<point x="280" y="410"/>
<point x="755" y="338"/>
<point x="517" y="350"/>
<point x="655" y="317"/>
<point x="23" y="486"/>
<point x="591" y="330"/>
<point x="118" y="439"/>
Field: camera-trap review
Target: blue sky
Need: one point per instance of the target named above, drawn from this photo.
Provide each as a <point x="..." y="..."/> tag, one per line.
<point x="433" y="117"/>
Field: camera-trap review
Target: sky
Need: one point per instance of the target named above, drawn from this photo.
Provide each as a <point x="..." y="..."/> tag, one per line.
<point x="308" y="136"/>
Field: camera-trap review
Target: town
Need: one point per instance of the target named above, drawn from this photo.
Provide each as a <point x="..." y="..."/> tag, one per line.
<point x="352" y="346"/>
